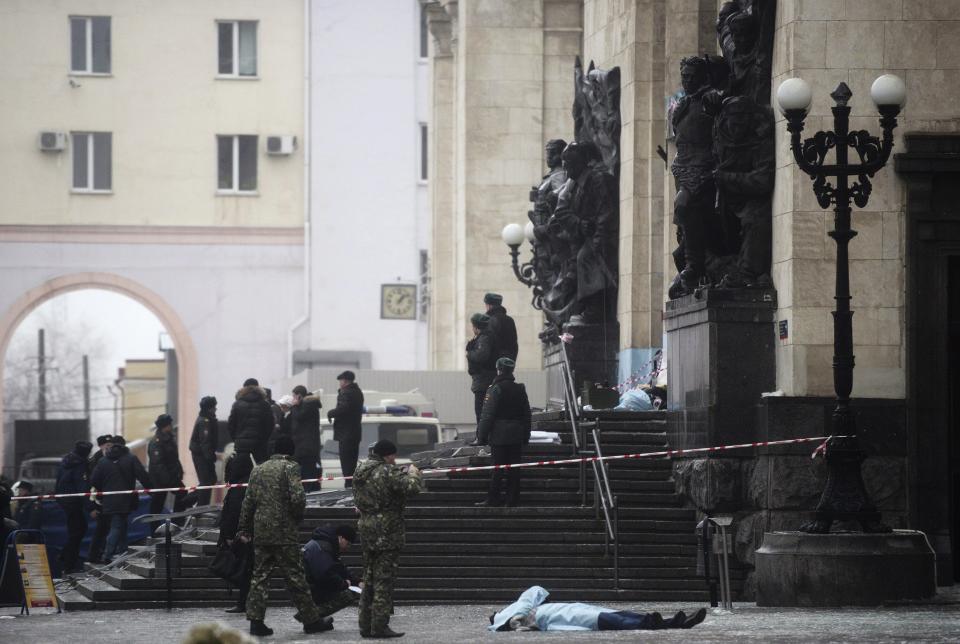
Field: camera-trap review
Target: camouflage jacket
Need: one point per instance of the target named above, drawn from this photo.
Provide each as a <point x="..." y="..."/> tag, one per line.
<point x="274" y="503"/>
<point x="380" y="491"/>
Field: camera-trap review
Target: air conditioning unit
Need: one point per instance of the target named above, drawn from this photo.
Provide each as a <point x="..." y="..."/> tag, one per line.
<point x="52" y="141"/>
<point x="281" y="145"/>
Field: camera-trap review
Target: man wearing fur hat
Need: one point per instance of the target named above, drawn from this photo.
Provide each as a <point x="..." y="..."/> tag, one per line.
<point x="251" y="421"/>
<point x="502" y="326"/>
<point x="165" y="468"/>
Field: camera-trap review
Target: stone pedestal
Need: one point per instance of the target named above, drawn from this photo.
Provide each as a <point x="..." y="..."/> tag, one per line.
<point x="844" y="569"/>
<point x="720" y="358"/>
<point x="592" y="355"/>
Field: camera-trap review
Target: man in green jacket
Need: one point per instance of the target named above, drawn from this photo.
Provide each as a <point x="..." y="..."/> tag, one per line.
<point x="380" y="490"/>
<point x="272" y="510"/>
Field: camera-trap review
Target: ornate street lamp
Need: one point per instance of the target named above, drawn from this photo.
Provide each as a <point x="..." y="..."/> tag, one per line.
<point x="845" y="497"/>
<point x="513" y="236"/>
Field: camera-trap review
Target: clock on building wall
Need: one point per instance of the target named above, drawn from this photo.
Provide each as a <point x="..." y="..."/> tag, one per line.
<point x="398" y="301"/>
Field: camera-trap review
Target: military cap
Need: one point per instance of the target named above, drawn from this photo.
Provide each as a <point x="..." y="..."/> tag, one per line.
<point x="493" y="298"/>
<point x="347" y="375"/>
<point x="505" y="364"/>
<point x="103" y="439"/>
<point x="164" y="420"/>
<point x="384" y="448"/>
<point x="480" y="320"/>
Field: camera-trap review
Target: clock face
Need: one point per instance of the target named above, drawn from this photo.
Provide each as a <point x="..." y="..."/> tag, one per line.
<point x="398" y="301"/>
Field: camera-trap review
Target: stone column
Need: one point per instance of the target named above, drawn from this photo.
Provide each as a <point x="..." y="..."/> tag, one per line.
<point x="442" y="349"/>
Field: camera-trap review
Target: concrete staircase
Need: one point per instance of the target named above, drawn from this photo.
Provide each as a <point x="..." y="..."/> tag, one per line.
<point x="458" y="553"/>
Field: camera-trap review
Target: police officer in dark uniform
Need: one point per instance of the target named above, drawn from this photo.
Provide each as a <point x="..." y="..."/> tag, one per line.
<point x="502" y="326"/>
<point x="505" y="427"/>
<point x="203" y="447"/>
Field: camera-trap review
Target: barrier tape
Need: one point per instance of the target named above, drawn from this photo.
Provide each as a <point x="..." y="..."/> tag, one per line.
<point x="466" y="468"/>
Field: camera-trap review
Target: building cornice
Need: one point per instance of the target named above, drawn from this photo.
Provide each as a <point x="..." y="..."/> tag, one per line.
<point x="174" y="235"/>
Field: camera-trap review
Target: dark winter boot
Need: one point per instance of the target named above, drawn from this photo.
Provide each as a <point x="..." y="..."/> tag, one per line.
<point x="319" y="626"/>
<point x="695" y="619"/>
<point x="257" y="627"/>
<point x="384" y="634"/>
<point x="239" y="608"/>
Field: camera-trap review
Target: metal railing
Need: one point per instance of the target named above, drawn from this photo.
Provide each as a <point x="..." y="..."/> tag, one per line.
<point x="603" y="498"/>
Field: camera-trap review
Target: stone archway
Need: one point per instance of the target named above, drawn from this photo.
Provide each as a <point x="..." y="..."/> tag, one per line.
<point x="186" y="352"/>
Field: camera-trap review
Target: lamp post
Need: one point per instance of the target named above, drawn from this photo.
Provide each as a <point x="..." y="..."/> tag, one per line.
<point x="513" y="236"/>
<point x="845" y="497"/>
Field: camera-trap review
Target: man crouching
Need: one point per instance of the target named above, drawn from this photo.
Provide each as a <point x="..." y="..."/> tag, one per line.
<point x="272" y="509"/>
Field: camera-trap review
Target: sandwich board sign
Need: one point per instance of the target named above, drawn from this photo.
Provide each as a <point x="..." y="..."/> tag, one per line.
<point x="35" y="575"/>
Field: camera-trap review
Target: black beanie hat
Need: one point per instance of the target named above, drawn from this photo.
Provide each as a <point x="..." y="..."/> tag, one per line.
<point x="208" y="402"/>
<point x="251" y="382"/>
<point x="283" y="445"/>
<point x="82" y="448"/>
<point x="384" y="448"/>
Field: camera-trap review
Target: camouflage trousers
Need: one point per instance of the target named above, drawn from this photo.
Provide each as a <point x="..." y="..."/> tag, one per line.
<point x="379" y="574"/>
<point x="339" y="601"/>
<point x="288" y="560"/>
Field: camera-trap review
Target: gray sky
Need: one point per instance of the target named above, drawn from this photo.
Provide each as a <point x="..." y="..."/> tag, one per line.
<point x="115" y="328"/>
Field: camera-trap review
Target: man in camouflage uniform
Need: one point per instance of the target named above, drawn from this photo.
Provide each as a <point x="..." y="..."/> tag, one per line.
<point x="272" y="510"/>
<point x="380" y="491"/>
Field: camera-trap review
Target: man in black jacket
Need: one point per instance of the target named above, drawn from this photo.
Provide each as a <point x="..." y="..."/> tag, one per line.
<point x="505" y="427"/>
<point x="481" y="359"/>
<point x="71" y="479"/>
<point x="251" y="421"/>
<point x="104" y="443"/>
<point x="203" y="447"/>
<point x="347" y="417"/>
<point x="502" y="327"/>
<point x="118" y="470"/>
<point x="329" y="579"/>
<point x="165" y="468"/>
<point x="305" y="429"/>
<point x="236" y="470"/>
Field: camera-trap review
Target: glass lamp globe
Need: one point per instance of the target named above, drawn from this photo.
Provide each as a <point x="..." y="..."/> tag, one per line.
<point x="888" y="89"/>
<point x="512" y="235"/>
<point x="528" y="232"/>
<point x="794" y="94"/>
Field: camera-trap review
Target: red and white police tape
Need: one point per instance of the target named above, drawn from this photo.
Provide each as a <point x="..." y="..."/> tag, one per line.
<point x="467" y="468"/>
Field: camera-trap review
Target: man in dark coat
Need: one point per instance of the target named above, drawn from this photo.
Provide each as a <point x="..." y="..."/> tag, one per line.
<point x="505" y="427"/>
<point x="481" y="359"/>
<point x="104" y="443"/>
<point x="502" y="326"/>
<point x="118" y="470"/>
<point x="305" y="429"/>
<point x="347" y="417"/>
<point x="237" y="470"/>
<point x="165" y="468"/>
<point x="251" y="421"/>
<point x="203" y="447"/>
<point x="72" y="479"/>
<point x="329" y="579"/>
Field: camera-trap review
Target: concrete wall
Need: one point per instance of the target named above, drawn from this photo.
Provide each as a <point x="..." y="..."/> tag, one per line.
<point x="369" y="211"/>
<point x="164" y="106"/>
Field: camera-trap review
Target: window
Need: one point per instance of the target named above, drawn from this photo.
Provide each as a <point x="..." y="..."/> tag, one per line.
<point x="424" y="50"/>
<point x="92" y="161"/>
<point x="423" y="152"/>
<point x="236" y="163"/>
<point x="237" y="48"/>
<point x="90" y="44"/>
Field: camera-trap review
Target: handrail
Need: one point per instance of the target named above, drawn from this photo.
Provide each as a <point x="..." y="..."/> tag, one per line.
<point x="602" y="491"/>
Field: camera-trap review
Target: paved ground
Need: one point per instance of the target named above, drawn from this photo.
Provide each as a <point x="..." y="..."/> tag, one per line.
<point x="937" y="622"/>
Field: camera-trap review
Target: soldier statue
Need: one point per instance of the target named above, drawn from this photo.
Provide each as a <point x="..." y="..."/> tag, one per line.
<point x="380" y="490"/>
<point x="544" y="197"/>
<point x="272" y="511"/>
<point x="693" y="172"/>
<point x="743" y="144"/>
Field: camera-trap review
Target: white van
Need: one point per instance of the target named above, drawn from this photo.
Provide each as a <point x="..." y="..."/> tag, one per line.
<point x="411" y="434"/>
